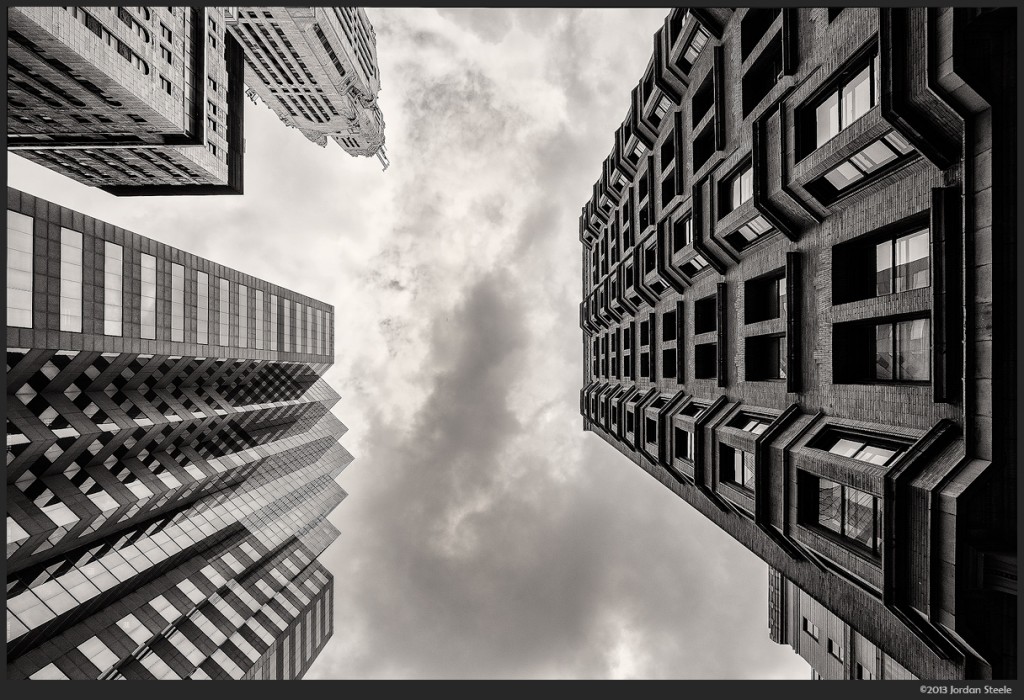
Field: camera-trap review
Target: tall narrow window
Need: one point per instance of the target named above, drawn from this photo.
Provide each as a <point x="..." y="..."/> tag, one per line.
<point x="203" y="308"/>
<point x="19" y="270"/>
<point x="323" y="339"/>
<point x="310" y="328"/>
<point x="273" y="323"/>
<point x="902" y="263"/>
<point x="287" y="325"/>
<point x="177" y="302"/>
<point x="148" y="289"/>
<point x="243" y="316"/>
<point x="260" y="342"/>
<point x="113" y="283"/>
<point x="70" y="280"/>
<point x="224" y="319"/>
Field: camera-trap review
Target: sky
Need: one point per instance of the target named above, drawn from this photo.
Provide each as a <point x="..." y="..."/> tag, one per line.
<point x="485" y="534"/>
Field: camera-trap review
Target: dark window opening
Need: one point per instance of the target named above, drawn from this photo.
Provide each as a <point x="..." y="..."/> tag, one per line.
<point x="705" y="317"/>
<point x="736" y="467"/>
<point x="682" y="234"/>
<point x="651" y="430"/>
<point x="763" y="75"/>
<point x="882" y="351"/>
<point x="705" y="359"/>
<point x="703" y="146"/>
<point x="876" y="266"/>
<point x="650" y="260"/>
<point x="668" y="363"/>
<point x="735" y="189"/>
<point x="757" y="229"/>
<point x="764" y="298"/>
<point x="668" y="326"/>
<point x="851" y="94"/>
<point x="703" y="99"/>
<point x="765" y="357"/>
<point x="683" y="443"/>
<point x="849" y="513"/>
<point x="833" y="12"/>
<point x="754" y="25"/>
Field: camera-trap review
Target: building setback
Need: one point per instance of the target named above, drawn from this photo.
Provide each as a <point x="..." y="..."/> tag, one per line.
<point x="134" y="100"/>
<point x="171" y="458"/>
<point x="798" y="312"/>
<point x="316" y="67"/>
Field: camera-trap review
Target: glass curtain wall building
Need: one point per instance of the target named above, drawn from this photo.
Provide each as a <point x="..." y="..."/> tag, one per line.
<point x="171" y="457"/>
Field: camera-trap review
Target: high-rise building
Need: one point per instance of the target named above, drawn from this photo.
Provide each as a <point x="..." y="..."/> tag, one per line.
<point x="798" y="311"/>
<point x="171" y="458"/>
<point x="832" y="647"/>
<point x="134" y="100"/>
<point x="316" y="67"/>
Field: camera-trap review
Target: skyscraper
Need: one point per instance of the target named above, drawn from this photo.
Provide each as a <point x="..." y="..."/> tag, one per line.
<point x="134" y="100"/>
<point x="798" y="310"/>
<point x="171" y="459"/>
<point x="316" y="67"/>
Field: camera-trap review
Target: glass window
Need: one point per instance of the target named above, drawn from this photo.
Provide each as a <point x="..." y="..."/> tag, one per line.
<point x="903" y="351"/>
<point x="19" y="270"/>
<point x="224" y="320"/>
<point x="273" y="323"/>
<point x="98" y="653"/>
<point x="846" y="103"/>
<point x="848" y="512"/>
<point x="148" y="296"/>
<point x="856" y="97"/>
<point x="288" y="325"/>
<point x="326" y="327"/>
<point x="243" y="316"/>
<point x="202" y="308"/>
<point x="827" y="119"/>
<point x="113" y="282"/>
<point x="740" y="189"/>
<point x="177" y="302"/>
<point x="310" y="329"/>
<point x="70" y="280"/>
<point x="684" y="444"/>
<point x="49" y="672"/>
<point x="259" y="320"/>
<point x="861" y="449"/>
<point x="902" y="263"/>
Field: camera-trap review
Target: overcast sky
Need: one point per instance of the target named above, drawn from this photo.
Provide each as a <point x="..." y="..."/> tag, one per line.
<point x="485" y="534"/>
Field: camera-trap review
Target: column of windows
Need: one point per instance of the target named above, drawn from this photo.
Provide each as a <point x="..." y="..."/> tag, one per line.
<point x="243" y="316"/>
<point x="177" y="302"/>
<point x="203" y="308"/>
<point x="19" y="270"/>
<point x="148" y="290"/>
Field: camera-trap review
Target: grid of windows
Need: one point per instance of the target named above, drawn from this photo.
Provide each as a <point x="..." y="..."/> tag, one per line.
<point x="243" y="316"/>
<point x="19" y="270"/>
<point x="177" y="302"/>
<point x="70" y="280"/>
<point x="148" y="293"/>
<point x="202" y="308"/>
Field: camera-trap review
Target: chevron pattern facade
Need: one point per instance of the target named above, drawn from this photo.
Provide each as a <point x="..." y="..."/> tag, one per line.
<point x="165" y="510"/>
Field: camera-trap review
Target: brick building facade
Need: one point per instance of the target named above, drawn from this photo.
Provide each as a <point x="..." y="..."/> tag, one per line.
<point x="171" y="457"/>
<point x="799" y="309"/>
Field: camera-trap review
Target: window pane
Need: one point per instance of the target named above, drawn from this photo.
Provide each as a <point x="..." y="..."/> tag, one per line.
<point x="223" y="320"/>
<point x="873" y="157"/>
<point x="857" y="97"/>
<point x="746" y="184"/>
<point x="243" y="316"/>
<point x="874" y="454"/>
<point x="914" y="350"/>
<point x="259" y="320"/>
<point x="846" y="447"/>
<point x="113" y="278"/>
<point x="273" y="322"/>
<point x="203" y="308"/>
<point x="911" y="261"/>
<point x="19" y="270"/>
<point x="830" y="505"/>
<point x="843" y="175"/>
<point x="827" y="119"/>
<point x="70" y="280"/>
<point x="148" y="293"/>
<point x="748" y="470"/>
<point x="883" y="268"/>
<point x="287" y="325"/>
<point x="860" y="517"/>
<point x="883" y="351"/>
<point x="177" y="302"/>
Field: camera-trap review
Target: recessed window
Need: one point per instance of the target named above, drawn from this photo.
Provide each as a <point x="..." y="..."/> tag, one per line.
<point x="698" y="40"/>
<point x="630" y="413"/>
<point x="651" y="430"/>
<point x="177" y="302"/>
<point x="683" y="443"/>
<point x="765" y="357"/>
<point x="736" y="467"/>
<point x="202" y="308"/>
<point x="70" y="280"/>
<point x="879" y="266"/>
<point x="668" y="326"/>
<point x="19" y="269"/>
<point x="872" y="450"/>
<point x="864" y="673"/>
<point x="682" y="234"/>
<point x="750" y="232"/>
<point x="703" y="100"/>
<point x="737" y="189"/>
<point x="763" y="75"/>
<point x="811" y="629"/>
<point x="165" y="33"/>
<point x="668" y="363"/>
<point x="165" y="85"/>
<point x="148" y="297"/>
<point x="750" y="424"/>
<point x="849" y="513"/>
<point x="852" y="96"/>
<point x="694" y="265"/>
<point x="705" y="359"/>
<point x="705" y="317"/>
<point x="703" y="146"/>
<point x="754" y="25"/>
<point x="835" y="649"/>
<point x="902" y="263"/>
<point x="165" y="53"/>
<point x="764" y="298"/>
<point x="878" y="156"/>
<point x="882" y="351"/>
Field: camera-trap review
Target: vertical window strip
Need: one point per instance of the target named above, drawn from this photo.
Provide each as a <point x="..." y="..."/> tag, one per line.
<point x="177" y="302"/>
<point x="203" y="308"/>
<point x="243" y="316"/>
<point x="113" y="284"/>
<point x="273" y="323"/>
<point x="311" y="329"/>
<point x="259" y="320"/>
<point x="70" y="280"/>
<point x="287" y="325"/>
<point x="19" y="270"/>
<point x="148" y="289"/>
<point x="222" y="319"/>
